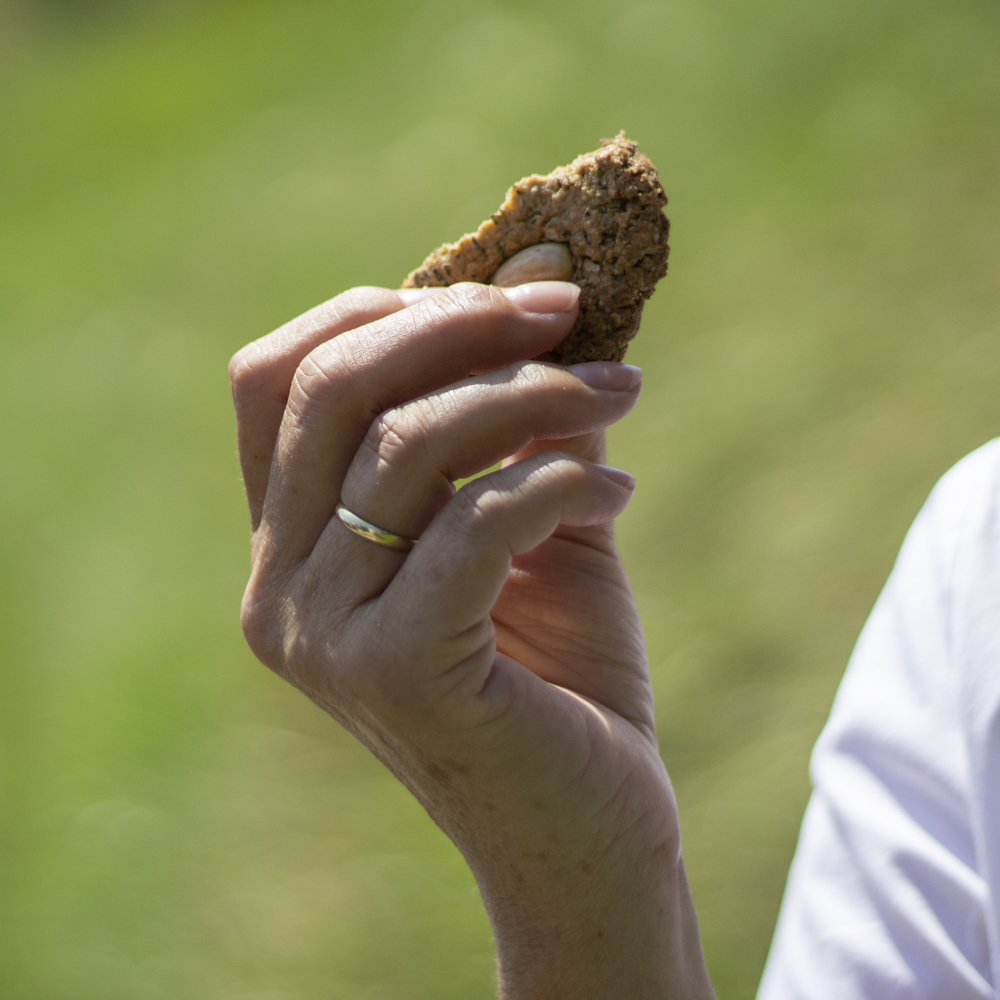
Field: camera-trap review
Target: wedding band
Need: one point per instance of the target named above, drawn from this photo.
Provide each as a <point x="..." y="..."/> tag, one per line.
<point x="380" y="536"/>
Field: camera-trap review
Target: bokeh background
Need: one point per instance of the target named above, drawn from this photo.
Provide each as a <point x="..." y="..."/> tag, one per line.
<point x="178" y="178"/>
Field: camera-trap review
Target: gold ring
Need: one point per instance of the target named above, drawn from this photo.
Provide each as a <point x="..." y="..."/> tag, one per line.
<point x="378" y="535"/>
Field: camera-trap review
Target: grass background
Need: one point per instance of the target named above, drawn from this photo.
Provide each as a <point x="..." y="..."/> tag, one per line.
<point x="179" y="178"/>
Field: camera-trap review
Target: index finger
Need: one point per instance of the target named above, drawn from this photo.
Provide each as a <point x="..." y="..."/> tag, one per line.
<point x="261" y="376"/>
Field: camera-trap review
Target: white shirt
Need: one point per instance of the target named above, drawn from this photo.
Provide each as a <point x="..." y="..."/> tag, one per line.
<point x="894" y="893"/>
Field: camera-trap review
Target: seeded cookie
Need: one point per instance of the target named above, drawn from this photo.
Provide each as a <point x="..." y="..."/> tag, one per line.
<point x="606" y="209"/>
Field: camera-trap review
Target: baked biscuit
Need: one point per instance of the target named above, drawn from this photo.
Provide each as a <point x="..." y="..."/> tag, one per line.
<point x="607" y="208"/>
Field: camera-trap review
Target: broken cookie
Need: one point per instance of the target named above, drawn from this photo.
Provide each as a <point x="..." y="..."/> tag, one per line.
<point x="598" y="222"/>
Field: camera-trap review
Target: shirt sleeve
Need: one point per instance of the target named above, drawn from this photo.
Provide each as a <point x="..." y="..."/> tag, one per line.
<point x="886" y="898"/>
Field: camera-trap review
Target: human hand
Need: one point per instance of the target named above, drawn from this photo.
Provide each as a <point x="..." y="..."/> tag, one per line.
<point x="498" y="668"/>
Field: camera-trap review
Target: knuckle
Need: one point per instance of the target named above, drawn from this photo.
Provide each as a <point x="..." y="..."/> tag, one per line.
<point x="537" y="375"/>
<point x="558" y="460"/>
<point x="532" y="378"/>
<point x="468" y="297"/>
<point x="262" y="627"/>
<point x="360" y="295"/>
<point x="476" y="505"/>
<point x="320" y="377"/>
<point x="472" y="292"/>
<point x="248" y="369"/>
<point x="251" y="367"/>
<point x="385" y="442"/>
<point x="397" y="435"/>
<point x="556" y="467"/>
<point x="301" y="660"/>
<point x="343" y="312"/>
<point x="360" y="300"/>
<point x="292" y="627"/>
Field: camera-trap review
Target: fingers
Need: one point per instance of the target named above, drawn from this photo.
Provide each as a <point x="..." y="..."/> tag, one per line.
<point x="443" y="593"/>
<point x="343" y="384"/>
<point x="402" y="474"/>
<point x="261" y="376"/>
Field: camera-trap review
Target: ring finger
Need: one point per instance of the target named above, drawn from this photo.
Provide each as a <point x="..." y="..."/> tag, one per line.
<point x="403" y="473"/>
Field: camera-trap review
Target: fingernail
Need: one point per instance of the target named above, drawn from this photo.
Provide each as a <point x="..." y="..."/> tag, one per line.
<point x="617" y="476"/>
<point x="544" y="296"/>
<point x="410" y="296"/>
<point x="607" y="375"/>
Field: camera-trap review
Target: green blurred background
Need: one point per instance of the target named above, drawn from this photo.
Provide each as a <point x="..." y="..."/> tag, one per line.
<point x="179" y="178"/>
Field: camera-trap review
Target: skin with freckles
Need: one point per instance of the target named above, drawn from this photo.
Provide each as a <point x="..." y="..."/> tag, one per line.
<point x="498" y="668"/>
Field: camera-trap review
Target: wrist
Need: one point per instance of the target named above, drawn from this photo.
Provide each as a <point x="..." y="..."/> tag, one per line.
<point x="618" y="922"/>
<point x="591" y="905"/>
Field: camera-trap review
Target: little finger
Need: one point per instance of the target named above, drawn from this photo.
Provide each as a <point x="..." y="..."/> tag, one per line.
<point x="453" y="577"/>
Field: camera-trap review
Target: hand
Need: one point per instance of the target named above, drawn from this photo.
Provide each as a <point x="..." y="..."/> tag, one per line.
<point x="498" y="668"/>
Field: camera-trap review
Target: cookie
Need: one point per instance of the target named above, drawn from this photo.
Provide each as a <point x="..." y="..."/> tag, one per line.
<point x="607" y="208"/>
